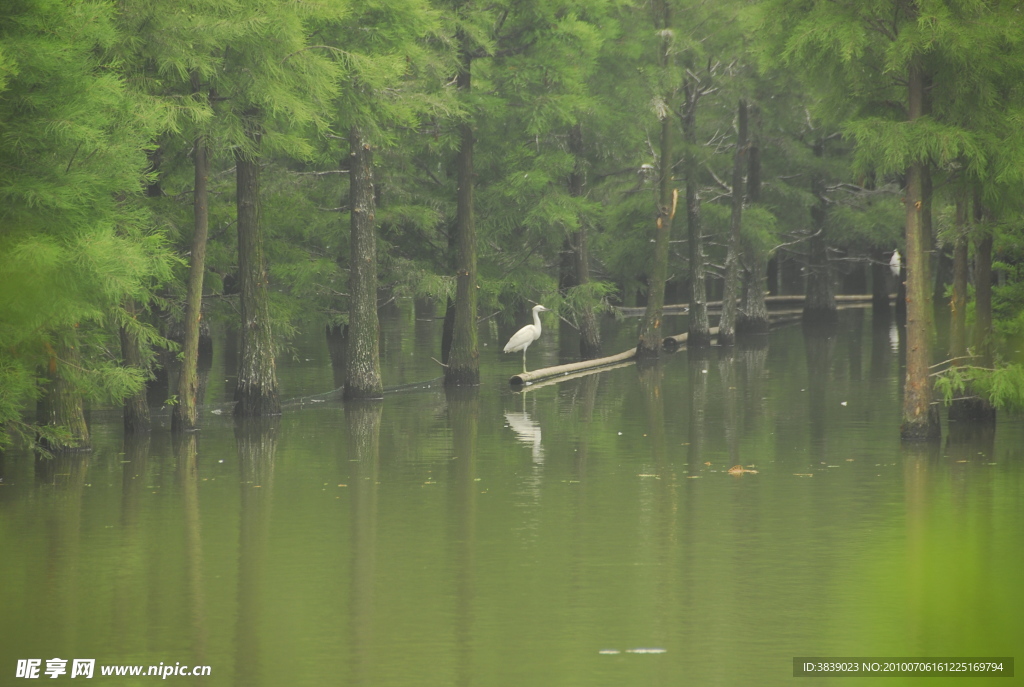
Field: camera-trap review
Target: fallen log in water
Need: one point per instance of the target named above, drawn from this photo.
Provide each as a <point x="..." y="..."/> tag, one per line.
<point x="544" y="373"/>
<point x="564" y="372"/>
<point x="771" y="301"/>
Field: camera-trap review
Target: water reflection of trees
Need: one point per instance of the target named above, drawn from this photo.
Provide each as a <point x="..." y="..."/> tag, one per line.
<point x="362" y="420"/>
<point x="819" y="344"/>
<point x="464" y="420"/>
<point x="186" y="454"/>
<point x="256" y="441"/>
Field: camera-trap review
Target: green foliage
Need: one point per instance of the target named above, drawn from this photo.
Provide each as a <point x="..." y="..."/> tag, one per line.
<point x="76" y="243"/>
<point x="1002" y="386"/>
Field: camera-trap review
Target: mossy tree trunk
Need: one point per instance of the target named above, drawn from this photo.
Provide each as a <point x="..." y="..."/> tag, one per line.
<point x="727" y="320"/>
<point x="920" y="417"/>
<point x="971" y="408"/>
<point x="256" y="393"/>
<point x="577" y="272"/>
<point x="958" y="302"/>
<point x="649" y="343"/>
<point x="820" y="303"/>
<point x="185" y="416"/>
<point x="752" y="318"/>
<point x="362" y="360"/>
<point x="463" y="365"/>
<point x="699" y="332"/>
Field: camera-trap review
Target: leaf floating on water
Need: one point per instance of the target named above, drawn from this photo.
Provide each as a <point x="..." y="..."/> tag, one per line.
<point x="645" y="651"/>
<point x="609" y="652"/>
<point x="739" y="470"/>
<point x="803" y="474"/>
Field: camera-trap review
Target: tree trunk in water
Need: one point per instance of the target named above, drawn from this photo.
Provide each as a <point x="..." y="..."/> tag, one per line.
<point x="336" y="350"/>
<point x="920" y="417"/>
<point x="362" y="364"/>
<point x="579" y="265"/>
<point x="820" y="304"/>
<point x="972" y="408"/>
<point x="752" y="318"/>
<point x="699" y="331"/>
<point x="649" y="343"/>
<point x="983" y="299"/>
<point x="958" y="303"/>
<point x="185" y="416"/>
<point x="136" y="406"/>
<point x="727" y="320"/>
<point x="256" y="393"/>
<point x="464" y="357"/>
<point x="61" y="402"/>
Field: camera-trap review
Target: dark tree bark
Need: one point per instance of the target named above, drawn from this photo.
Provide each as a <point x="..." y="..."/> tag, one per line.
<point x="958" y="302"/>
<point x="464" y="356"/>
<point x="820" y="304"/>
<point x="61" y="402"/>
<point x="649" y="343"/>
<point x="752" y="318"/>
<point x="256" y="393"/>
<point x="973" y="408"/>
<point x="185" y="416"/>
<point x="362" y="364"/>
<point x="336" y="350"/>
<point x="920" y="417"/>
<point x="727" y="320"/>
<point x="136" y="406"/>
<point x="983" y="298"/>
<point x="699" y="331"/>
<point x="578" y="266"/>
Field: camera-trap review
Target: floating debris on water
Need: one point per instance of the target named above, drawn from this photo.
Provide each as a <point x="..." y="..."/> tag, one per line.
<point x="609" y="652"/>
<point x="645" y="650"/>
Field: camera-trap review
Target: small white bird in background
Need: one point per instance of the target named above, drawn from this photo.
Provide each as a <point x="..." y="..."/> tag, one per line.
<point x="522" y="339"/>
<point x="895" y="263"/>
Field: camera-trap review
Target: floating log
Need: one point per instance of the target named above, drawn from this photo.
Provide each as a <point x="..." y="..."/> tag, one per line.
<point x="563" y="372"/>
<point x="544" y="373"/>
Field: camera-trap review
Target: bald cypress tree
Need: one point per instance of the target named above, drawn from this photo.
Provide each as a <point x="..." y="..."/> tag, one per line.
<point x="76" y="243"/>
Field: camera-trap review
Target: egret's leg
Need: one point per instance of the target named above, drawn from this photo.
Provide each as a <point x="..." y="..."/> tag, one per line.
<point x="524" y="360"/>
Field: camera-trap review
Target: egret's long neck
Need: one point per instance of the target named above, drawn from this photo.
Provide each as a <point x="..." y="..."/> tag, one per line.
<point x="536" y="321"/>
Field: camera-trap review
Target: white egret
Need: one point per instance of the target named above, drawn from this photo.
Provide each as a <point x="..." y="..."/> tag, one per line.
<point x="895" y="263"/>
<point x="522" y="339"/>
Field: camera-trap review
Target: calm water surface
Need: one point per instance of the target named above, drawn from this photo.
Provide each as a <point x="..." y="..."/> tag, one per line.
<point x="488" y="537"/>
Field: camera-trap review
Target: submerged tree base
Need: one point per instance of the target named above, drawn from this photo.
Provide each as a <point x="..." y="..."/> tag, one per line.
<point x="354" y="393"/>
<point x="257" y="404"/>
<point x="462" y="377"/>
<point x="927" y="428"/>
<point x="972" y="410"/>
<point x="748" y="326"/>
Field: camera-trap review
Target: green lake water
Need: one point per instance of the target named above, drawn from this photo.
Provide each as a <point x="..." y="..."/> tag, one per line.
<point x="489" y="537"/>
